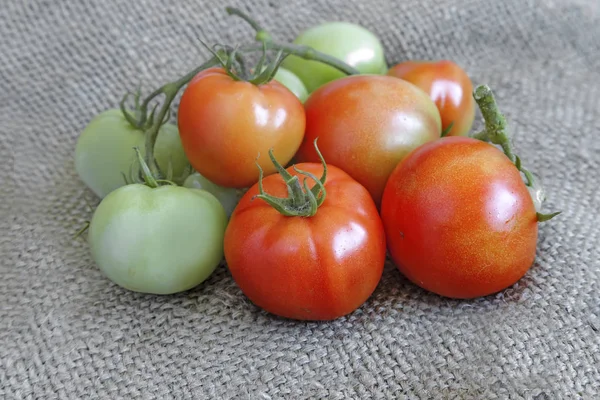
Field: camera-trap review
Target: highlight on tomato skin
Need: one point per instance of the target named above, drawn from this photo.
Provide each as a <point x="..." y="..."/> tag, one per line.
<point x="449" y="87"/>
<point x="320" y="264"/>
<point x="459" y="219"/>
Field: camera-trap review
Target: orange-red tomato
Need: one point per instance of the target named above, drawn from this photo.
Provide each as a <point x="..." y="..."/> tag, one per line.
<point x="449" y="87"/>
<point x="458" y="218"/>
<point x="366" y="124"/>
<point x="307" y="268"/>
<point x="226" y="124"/>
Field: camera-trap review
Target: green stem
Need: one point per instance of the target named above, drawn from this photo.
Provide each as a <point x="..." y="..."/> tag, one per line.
<point x="148" y="176"/>
<point x="495" y="123"/>
<point x="178" y="84"/>
<point x="305" y="52"/>
<point x="170" y="91"/>
<point x="495" y="132"/>
<point x="262" y="35"/>
<point x="546" y="217"/>
<point x="308" y="53"/>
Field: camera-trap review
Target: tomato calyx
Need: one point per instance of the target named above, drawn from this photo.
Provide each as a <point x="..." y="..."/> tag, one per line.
<point x="149" y="179"/>
<point x="495" y="132"/>
<point x="301" y="201"/>
<point x="233" y="63"/>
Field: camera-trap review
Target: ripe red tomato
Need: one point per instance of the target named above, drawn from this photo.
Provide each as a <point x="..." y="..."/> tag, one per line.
<point x="225" y="124"/>
<point x="319" y="267"/>
<point x="458" y="218"/>
<point x="366" y="124"/>
<point x="449" y="87"/>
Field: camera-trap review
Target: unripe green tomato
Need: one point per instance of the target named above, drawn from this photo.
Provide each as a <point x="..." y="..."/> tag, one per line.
<point x="292" y="82"/>
<point x="161" y="241"/>
<point x="228" y="197"/>
<point x="348" y="42"/>
<point x="104" y="151"/>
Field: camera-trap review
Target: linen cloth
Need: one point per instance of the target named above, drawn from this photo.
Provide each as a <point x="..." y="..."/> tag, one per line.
<point x="67" y="332"/>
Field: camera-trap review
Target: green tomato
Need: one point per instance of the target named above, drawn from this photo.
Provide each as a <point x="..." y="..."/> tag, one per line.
<point x="104" y="151"/>
<point x="161" y="241"/>
<point x="229" y="197"/>
<point x="292" y="82"/>
<point x="350" y="43"/>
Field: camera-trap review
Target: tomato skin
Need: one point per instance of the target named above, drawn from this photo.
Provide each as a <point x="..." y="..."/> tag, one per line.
<point x="161" y="241"/>
<point x="351" y="43"/>
<point x="459" y="219"/>
<point x="228" y="197"/>
<point x="366" y="124"/>
<point x="449" y="87"/>
<point x="225" y="124"/>
<point x="307" y="268"/>
<point x="292" y="82"/>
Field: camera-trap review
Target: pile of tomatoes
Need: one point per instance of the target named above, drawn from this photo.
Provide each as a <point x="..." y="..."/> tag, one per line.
<point x="303" y="172"/>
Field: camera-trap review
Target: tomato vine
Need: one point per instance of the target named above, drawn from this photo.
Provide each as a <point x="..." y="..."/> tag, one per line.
<point x="495" y="131"/>
<point x="226" y="57"/>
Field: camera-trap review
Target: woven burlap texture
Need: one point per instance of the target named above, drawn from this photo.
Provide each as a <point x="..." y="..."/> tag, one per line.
<point x="66" y="332"/>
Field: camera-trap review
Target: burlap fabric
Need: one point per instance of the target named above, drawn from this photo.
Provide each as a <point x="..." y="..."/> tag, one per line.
<point x="66" y="332"/>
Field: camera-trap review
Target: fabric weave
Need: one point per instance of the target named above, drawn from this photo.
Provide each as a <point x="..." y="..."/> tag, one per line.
<point x="66" y="332"/>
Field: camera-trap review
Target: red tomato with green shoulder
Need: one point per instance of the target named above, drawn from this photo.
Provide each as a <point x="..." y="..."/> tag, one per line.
<point x="225" y="124"/>
<point x="315" y="255"/>
<point x="459" y="220"/>
<point x="449" y="87"/>
<point x="366" y="124"/>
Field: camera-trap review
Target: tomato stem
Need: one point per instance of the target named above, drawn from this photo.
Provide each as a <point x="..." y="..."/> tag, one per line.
<point x="495" y="132"/>
<point x="146" y="121"/>
<point x="82" y="230"/>
<point x="148" y="177"/>
<point x="262" y="35"/>
<point x="153" y="125"/>
<point x="301" y="201"/>
<point x="305" y="52"/>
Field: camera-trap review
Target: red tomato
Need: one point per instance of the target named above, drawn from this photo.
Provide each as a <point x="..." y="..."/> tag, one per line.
<point x="307" y="268"/>
<point x="366" y="124"/>
<point x="459" y="219"/>
<point x="449" y="87"/>
<point x="225" y="124"/>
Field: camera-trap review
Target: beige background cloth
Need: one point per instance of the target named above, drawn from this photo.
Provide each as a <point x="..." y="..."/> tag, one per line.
<point x="66" y="332"/>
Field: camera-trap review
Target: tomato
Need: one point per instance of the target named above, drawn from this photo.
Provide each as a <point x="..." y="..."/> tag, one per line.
<point x="226" y="124"/>
<point x="449" y="87"/>
<point x="317" y="267"/>
<point x="104" y="151"/>
<point x="162" y="240"/>
<point x="366" y="124"/>
<point x="228" y="197"/>
<point x="292" y="82"/>
<point x="168" y="149"/>
<point x="459" y="219"/>
<point x="348" y="42"/>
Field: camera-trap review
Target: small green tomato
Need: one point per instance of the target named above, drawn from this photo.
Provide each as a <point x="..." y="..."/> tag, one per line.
<point x="158" y="240"/>
<point x="292" y="82"/>
<point x="351" y="43"/>
<point x="104" y="151"/>
<point x="229" y="197"/>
